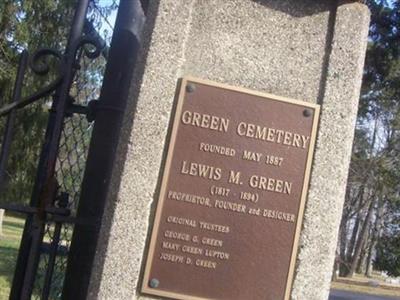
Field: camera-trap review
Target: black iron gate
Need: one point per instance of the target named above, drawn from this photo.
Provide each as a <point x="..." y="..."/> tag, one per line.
<point x="57" y="230"/>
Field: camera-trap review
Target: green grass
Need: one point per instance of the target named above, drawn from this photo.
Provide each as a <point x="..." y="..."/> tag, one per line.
<point x="9" y="244"/>
<point x="364" y="289"/>
<point x="359" y="284"/>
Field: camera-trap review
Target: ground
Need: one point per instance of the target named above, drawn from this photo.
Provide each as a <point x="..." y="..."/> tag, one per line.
<point x="358" y="284"/>
<point x="9" y="243"/>
<point x="347" y="295"/>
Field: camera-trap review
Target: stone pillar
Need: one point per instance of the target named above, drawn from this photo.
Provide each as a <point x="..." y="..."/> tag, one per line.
<point x="308" y="50"/>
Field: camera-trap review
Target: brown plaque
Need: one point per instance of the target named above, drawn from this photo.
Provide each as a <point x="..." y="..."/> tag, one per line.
<point x="232" y="195"/>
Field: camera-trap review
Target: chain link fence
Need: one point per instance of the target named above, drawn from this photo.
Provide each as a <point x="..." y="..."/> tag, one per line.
<point x="73" y="148"/>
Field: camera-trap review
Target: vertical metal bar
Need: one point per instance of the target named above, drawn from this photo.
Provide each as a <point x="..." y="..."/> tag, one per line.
<point x="62" y="202"/>
<point x="52" y="260"/>
<point x="9" y="129"/>
<point x="29" y="253"/>
<point x="114" y="93"/>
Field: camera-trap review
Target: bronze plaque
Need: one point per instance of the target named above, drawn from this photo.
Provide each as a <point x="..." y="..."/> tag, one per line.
<point x="232" y="195"/>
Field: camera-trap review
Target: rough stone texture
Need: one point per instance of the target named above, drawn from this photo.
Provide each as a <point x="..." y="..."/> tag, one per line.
<point x="332" y="155"/>
<point x="298" y="49"/>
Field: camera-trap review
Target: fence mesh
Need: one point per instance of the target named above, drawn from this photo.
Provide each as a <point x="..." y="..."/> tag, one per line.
<point x="74" y="146"/>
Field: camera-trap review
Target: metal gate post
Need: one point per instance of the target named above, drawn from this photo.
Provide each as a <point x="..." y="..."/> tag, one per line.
<point x="8" y="132"/>
<point x="45" y="185"/>
<point x="108" y="115"/>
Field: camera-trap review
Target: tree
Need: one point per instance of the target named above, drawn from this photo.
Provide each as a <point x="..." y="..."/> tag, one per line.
<point x="27" y="25"/>
<point x="388" y="249"/>
<point x="30" y="25"/>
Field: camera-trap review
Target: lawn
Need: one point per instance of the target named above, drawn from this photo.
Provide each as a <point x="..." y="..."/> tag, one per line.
<point x="359" y="284"/>
<point x="9" y="243"/>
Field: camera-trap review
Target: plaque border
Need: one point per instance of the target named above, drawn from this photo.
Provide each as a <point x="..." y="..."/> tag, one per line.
<point x="145" y="289"/>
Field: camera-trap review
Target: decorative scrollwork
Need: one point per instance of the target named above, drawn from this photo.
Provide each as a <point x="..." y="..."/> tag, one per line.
<point x="86" y="42"/>
<point x="40" y="62"/>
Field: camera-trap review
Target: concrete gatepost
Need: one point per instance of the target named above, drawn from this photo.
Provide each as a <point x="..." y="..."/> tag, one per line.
<point x="308" y="50"/>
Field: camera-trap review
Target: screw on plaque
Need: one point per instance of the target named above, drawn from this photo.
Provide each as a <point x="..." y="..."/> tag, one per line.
<point x="190" y="88"/>
<point x="306" y="113"/>
<point x="154" y="283"/>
